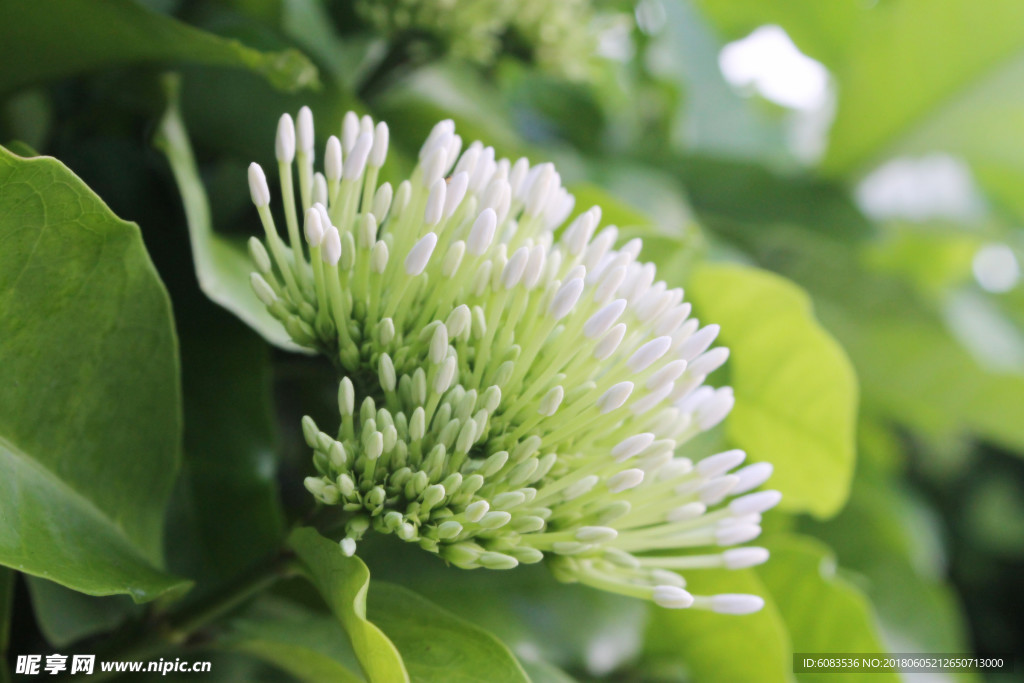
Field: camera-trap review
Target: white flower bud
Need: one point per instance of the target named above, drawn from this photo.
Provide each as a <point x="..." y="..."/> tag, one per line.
<point x="734" y="603"/>
<point x="435" y="202"/>
<point x="332" y="159"/>
<point x="355" y="164"/>
<point x="284" y="145"/>
<point x="331" y="245"/>
<point x="349" y="131"/>
<point x="382" y="202"/>
<point x="671" y="597"/>
<point x="258" y="189"/>
<point x="482" y="233"/>
<point x="379" y="257"/>
<point x="648" y="353"/>
<point x="565" y="298"/>
<point x="304" y="130"/>
<point x="314" y="228"/>
<point x="625" y="480"/>
<point x="742" y="558"/>
<point x="614" y="397"/>
<point x="456" y="192"/>
<point x="379" y="151"/>
<point x="420" y="254"/>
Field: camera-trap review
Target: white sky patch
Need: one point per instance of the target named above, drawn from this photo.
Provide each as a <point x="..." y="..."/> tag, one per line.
<point x="768" y="62"/>
<point x="920" y="189"/>
<point x="996" y="268"/>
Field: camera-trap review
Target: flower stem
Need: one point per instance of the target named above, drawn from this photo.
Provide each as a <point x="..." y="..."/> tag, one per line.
<point x="161" y="631"/>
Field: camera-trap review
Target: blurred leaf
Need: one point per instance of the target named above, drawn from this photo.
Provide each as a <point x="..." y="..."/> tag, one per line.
<point x="230" y="515"/>
<point x="910" y="367"/>
<point x="913" y="76"/>
<point x="90" y="418"/>
<point x="723" y="647"/>
<point x="343" y="583"/>
<point x="614" y="211"/>
<point x="437" y="645"/>
<point x="822" y="30"/>
<point x="796" y="392"/>
<point x="713" y="118"/>
<point x="311" y="647"/>
<point x="823" y="612"/>
<point x="934" y="258"/>
<point x="64" y="616"/>
<point x="542" y="672"/>
<point x="962" y="60"/>
<point x="53" y="38"/>
<point x="755" y="196"/>
<point x="222" y="265"/>
<point x="570" y="626"/>
<point x="347" y="60"/>
<point x="873" y="536"/>
<point x="448" y="90"/>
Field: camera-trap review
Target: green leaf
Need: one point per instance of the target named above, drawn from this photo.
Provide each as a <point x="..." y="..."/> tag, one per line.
<point x="310" y="646"/>
<point x="90" y="418"/>
<point x="963" y="59"/>
<point x="437" y="645"/>
<point x="227" y="495"/>
<point x="911" y="368"/>
<point x="913" y="76"/>
<point x="710" y="646"/>
<point x="222" y="265"/>
<point x="822" y="612"/>
<point x="714" y="119"/>
<point x="755" y="196"/>
<point x="569" y="625"/>
<point x="614" y="211"/>
<point x="796" y="392"/>
<point x="64" y="616"/>
<point x="542" y="672"/>
<point x="45" y="39"/>
<point x="343" y="582"/>
<point x="873" y="535"/>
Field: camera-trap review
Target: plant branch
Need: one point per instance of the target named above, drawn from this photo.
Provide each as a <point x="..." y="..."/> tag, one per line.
<point x="174" y="627"/>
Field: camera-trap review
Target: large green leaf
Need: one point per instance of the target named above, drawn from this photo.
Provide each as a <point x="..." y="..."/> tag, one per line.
<point x="913" y="76"/>
<point x="709" y="646"/>
<point x="343" y="582"/>
<point x="437" y="645"/>
<point x="911" y="368"/>
<point x="64" y="616"/>
<point x="43" y="39"/>
<point x="957" y="54"/>
<point x="568" y="625"/>
<point x="311" y="646"/>
<point x="90" y="415"/>
<point x="222" y="264"/>
<point x="823" y="613"/>
<point x="230" y="516"/>
<point x="713" y="119"/>
<point x="822" y="30"/>
<point x="796" y="393"/>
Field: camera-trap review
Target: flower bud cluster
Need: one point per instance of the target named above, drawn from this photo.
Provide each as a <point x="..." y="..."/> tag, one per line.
<point x="515" y="389"/>
<point x="561" y="37"/>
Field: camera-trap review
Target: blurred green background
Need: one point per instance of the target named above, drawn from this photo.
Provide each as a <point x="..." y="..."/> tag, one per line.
<point x="871" y="152"/>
